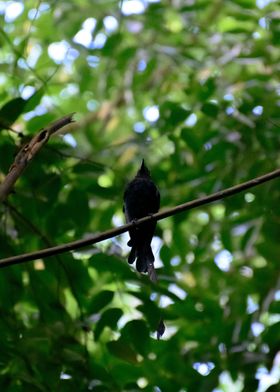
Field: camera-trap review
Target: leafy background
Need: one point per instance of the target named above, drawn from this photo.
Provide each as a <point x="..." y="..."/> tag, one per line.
<point x="192" y="87"/>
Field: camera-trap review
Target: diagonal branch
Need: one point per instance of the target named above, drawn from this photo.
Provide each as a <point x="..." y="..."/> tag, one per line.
<point x="95" y="238"/>
<point x="28" y="151"/>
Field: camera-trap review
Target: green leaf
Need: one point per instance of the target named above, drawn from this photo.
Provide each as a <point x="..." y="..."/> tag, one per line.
<point x="79" y="212"/>
<point x="104" y="263"/>
<point x="191" y="139"/>
<point x="109" y="318"/>
<point x="102" y="299"/>
<point x="112" y="43"/>
<point x="122" y="350"/>
<point x="136" y="334"/>
<point x="233" y="25"/>
<point x="39" y="122"/>
<point x="92" y="169"/>
<point x="207" y="89"/>
<point x="34" y="100"/>
<point x="173" y="113"/>
<point x="210" y="108"/>
<point x="11" y="111"/>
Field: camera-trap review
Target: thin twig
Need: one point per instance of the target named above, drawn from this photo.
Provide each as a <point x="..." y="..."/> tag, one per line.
<point x="28" y="151"/>
<point x="20" y="55"/>
<point x="122" y="229"/>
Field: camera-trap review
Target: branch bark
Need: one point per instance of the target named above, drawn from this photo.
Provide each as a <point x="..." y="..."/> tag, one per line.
<point x="28" y="151"/>
<point x="122" y="229"/>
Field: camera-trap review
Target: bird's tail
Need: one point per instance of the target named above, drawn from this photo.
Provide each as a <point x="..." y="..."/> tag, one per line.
<point x="144" y="259"/>
<point x="152" y="272"/>
<point x="133" y="253"/>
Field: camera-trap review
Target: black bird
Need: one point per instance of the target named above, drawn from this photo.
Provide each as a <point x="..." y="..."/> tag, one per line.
<point x="141" y="198"/>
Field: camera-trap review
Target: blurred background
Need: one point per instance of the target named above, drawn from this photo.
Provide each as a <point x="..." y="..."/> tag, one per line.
<point x="193" y="88"/>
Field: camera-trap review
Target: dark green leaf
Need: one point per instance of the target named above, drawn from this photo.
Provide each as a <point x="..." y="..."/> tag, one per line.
<point x="136" y="334"/>
<point x="109" y="318"/>
<point x="11" y="111"/>
<point x="99" y="301"/>
<point x="34" y="100"/>
<point x="123" y="351"/>
<point x="210" y="108"/>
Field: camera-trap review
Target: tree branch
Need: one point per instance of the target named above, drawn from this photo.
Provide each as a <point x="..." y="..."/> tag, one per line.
<point x="28" y="151"/>
<point x="122" y="229"/>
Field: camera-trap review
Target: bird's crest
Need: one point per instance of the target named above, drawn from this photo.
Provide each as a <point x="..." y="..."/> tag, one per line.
<point x="143" y="171"/>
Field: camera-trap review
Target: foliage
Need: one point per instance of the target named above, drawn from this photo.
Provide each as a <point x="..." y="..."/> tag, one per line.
<point x="190" y="86"/>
